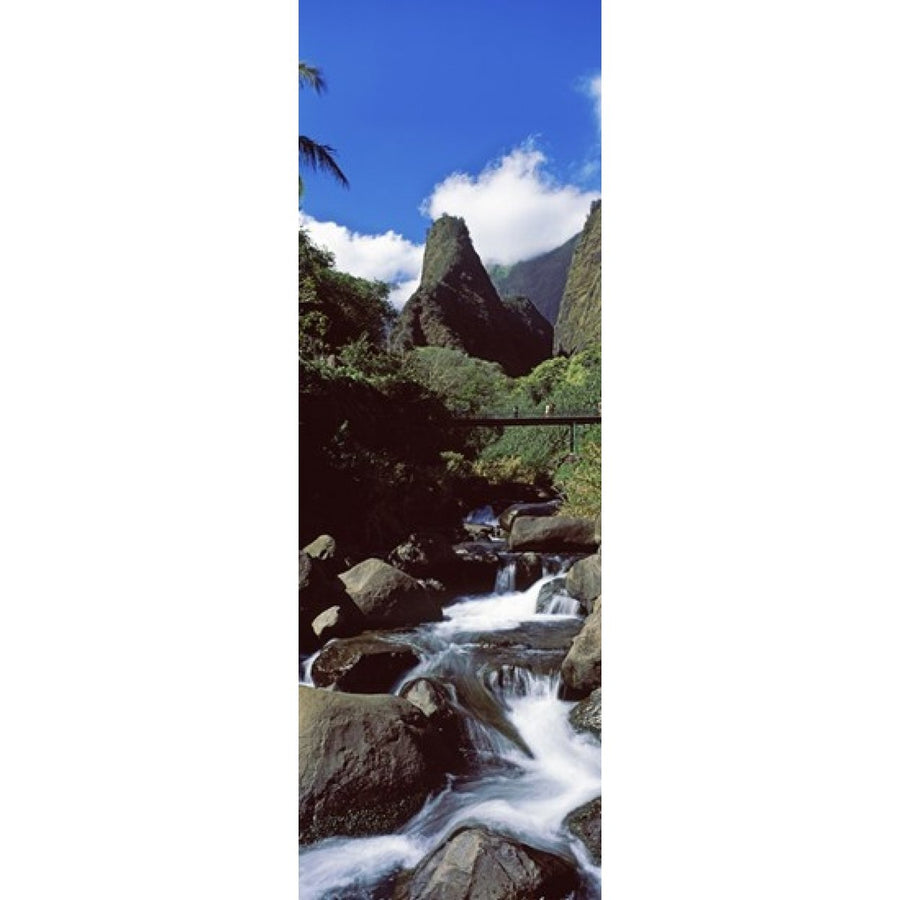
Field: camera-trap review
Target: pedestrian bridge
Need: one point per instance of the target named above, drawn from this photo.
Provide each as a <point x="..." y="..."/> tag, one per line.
<point x="569" y="420"/>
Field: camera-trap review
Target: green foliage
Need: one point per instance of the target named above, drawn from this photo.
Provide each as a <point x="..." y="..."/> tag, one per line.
<point x="580" y="482"/>
<point x="467" y="385"/>
<point x="337" y="309"/>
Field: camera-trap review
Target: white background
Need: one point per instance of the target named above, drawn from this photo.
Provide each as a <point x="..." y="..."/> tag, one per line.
<point x="148" y="497"/>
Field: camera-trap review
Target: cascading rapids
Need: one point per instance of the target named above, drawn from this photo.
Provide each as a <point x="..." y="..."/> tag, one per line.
<point x="536" y="768"/>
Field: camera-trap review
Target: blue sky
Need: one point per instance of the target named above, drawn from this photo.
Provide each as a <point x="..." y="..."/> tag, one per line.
<point x="486" y="109"/>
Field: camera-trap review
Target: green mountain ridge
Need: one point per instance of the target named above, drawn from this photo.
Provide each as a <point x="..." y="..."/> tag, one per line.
<point x="542" y="278"/>
<point x="579" y="320"/>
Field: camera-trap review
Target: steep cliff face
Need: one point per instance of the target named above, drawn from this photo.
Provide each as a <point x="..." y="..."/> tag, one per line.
<point x="578" y="323"/>
<point x="541" y="279"/>
<point x="456" y="305"/>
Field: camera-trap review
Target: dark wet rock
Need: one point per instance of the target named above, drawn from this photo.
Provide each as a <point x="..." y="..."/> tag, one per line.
<point x="424" y="555"/>
<point x="478" y="864"/>
<point x="339" y="621"/>
<point x="552" y="534"/>
<point x="435" y="699"/>
<point x="475" y="568"/>
<point x="585" y="715"/>
<point x="529" y="569"/>
<point x="318" y="591"/>
<point x="511" y="513"/>
<point x="547" y="635"/>
<point x="365" y="664"/>
<point x="388" y="597"/>
<point x="584" y="823"/>
<point x="581" y="667"/>
<point x="366" y="765"/>
<point x="583" y="579"/>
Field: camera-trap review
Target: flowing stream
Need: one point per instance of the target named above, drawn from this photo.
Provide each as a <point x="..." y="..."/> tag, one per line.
<point x="502" y="658"/>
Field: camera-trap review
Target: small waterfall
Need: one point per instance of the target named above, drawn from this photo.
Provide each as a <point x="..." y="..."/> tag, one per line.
<point x="505" y="582"/>
<point x="563" y="605"/>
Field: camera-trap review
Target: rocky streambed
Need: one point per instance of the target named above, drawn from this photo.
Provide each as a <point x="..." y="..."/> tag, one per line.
<point x="449" y="727"/>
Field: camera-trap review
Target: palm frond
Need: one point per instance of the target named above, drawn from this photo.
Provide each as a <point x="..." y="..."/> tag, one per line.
<point x="311" y="76"/>
<point x="318" y="157"/>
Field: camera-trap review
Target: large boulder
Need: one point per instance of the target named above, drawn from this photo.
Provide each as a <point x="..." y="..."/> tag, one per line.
<point x="477" y="864"/>
<point x="586" y="715"/>
<point x="581" y="667"/>
<point x="366" y="763"/>
<point x="388" y="597"/>
<point x="552" y="534"/>
<point x="583" y="579"/>
<point x="511" y="513"/>
<point x="362" y="665"/>
<point x="584" y="823"/>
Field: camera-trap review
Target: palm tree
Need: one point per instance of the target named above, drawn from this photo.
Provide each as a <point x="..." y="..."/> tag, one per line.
<point x="312" y="154"/>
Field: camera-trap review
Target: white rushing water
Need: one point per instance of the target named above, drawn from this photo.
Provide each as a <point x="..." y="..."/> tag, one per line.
<point x="524" y="794"/>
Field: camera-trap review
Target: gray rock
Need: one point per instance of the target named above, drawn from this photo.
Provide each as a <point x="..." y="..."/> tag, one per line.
<point x="585" y="715"/>
<point x="585" y="824"/>
<point x="339" y="621"/>
<point x="583" y="579"/>
<point x="388" y="597"/>
<point x="597" y="530"/>
<point x="477" y="864"/>
<point x="362" y="665"/>
<point x="323" y="547"/>
<point x="511" y="513"/>
<point x="365" y="763"/>
<point x="581" y="667"/>
<point x="552" y="534"/>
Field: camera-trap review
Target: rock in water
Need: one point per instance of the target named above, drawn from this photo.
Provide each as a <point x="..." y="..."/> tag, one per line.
<point x="583" y="579"/>
<point x="366" y="763"/>
<point x="584" y="823"/>
<point x="457" y="306"/>
<point x="362" y="665"/>
<point x="477" y="864"/>
<point x="552" y="534"/>
<point x="586" y="715"/>
<point x="389" y="598"/>
<point x="578" y="322"/>
<point x="581" y="667"/>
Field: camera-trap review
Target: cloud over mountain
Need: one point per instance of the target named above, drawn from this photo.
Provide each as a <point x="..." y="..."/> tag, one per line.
<point x="514" y="208"/>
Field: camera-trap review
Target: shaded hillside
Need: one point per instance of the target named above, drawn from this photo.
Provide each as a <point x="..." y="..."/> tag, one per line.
<point x="578" y="323"/>
<point x="456" y="305"/>
<point x="541" y="279"/>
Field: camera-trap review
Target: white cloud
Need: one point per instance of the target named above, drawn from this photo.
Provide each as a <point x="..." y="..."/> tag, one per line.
<point x="387" y="257"/>
<point x="514" y="209"/>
